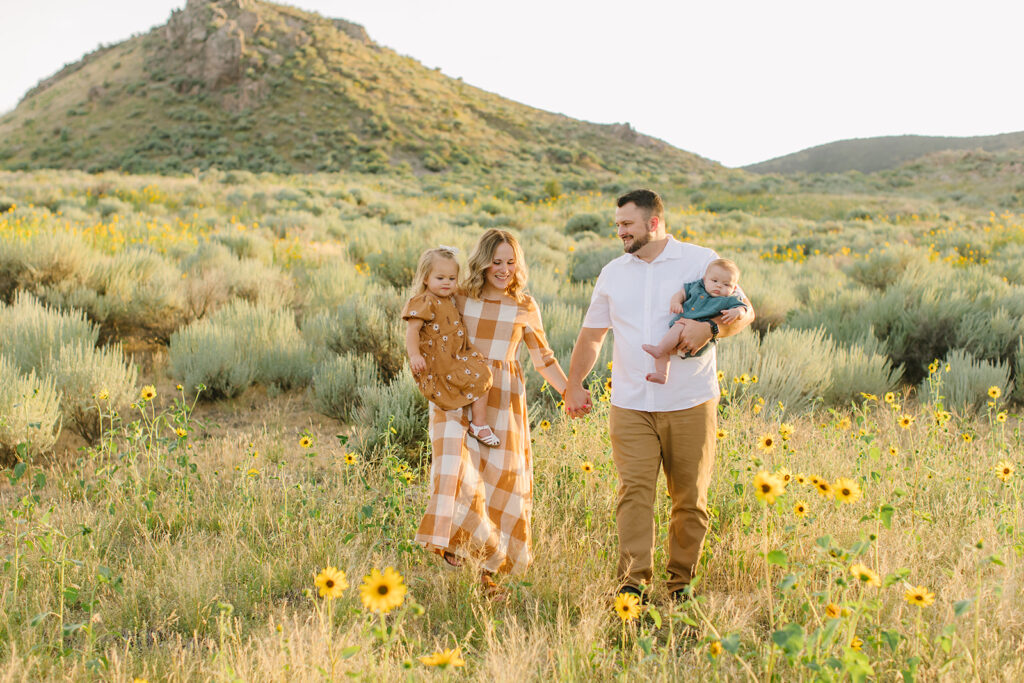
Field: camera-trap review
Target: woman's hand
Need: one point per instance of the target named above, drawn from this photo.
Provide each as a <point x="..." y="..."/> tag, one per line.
<point x="577" y="401"/>
<point x="417" y="364"/>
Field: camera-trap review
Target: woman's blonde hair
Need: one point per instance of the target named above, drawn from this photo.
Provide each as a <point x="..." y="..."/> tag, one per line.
<point x="480" y="261"/>
<point x="426" y="265"/>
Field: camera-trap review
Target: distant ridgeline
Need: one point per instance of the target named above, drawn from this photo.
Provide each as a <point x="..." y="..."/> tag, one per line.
<point x="868" y="155"/>
<point x="243" y="84"/>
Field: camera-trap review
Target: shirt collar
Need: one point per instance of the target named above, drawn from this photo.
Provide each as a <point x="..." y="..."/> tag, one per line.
<point x="673" y="250"/>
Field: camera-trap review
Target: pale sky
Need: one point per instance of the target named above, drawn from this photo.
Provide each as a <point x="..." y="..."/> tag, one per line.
<point x="737" y="81"/>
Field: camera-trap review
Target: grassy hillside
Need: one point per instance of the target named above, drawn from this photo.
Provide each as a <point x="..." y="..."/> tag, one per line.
<point x="245" y="84"/>
<point x="875" y="154"/>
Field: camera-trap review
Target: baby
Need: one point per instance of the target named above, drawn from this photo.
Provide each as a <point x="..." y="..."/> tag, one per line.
<point x="449" y="371"/>
<point x="699" y="300"/>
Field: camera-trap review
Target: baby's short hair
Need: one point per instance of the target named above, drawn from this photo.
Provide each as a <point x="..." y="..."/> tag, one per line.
<point x="726" y="264"/>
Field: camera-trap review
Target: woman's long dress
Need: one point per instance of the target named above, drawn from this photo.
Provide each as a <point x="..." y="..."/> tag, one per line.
<point x="481" y="497"/>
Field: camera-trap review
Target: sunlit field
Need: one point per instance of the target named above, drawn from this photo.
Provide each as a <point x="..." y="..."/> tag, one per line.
<point x="212" y="442"/>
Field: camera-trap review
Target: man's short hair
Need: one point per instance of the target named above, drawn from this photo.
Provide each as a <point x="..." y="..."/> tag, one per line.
<point x="647" y="200"/>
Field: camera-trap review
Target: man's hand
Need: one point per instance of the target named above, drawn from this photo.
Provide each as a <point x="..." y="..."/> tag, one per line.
<point x="417" y="364"/>
<point x="577" y="401"/>
<point x="694" y="336"/>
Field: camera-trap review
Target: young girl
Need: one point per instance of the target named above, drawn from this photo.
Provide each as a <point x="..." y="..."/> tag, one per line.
<point x="448" y="370"/>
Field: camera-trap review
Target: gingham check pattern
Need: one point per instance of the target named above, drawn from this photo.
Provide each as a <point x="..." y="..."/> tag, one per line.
<point x="481" y="497"/>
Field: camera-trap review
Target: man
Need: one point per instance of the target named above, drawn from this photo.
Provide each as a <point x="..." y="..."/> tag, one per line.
<point x="651" y="425"/>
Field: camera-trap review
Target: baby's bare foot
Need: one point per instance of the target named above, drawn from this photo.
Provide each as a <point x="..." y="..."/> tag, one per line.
<point x="657" y="377"/>
<point x="653" y="350"/>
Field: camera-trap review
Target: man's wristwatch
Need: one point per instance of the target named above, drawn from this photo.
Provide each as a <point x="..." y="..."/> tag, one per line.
<point x="714" y="330"/>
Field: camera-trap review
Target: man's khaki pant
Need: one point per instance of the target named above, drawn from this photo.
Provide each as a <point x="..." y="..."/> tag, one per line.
<point x="682" y="442"/>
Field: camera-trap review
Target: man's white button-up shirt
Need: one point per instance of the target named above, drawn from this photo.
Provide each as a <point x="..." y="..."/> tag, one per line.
<point x="632" y="297"/>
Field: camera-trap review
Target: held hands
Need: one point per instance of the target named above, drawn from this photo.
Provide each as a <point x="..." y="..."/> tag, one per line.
<point x="731" y="315"/>
<point x="417" y="364"/>
<point x="577" y="401"/>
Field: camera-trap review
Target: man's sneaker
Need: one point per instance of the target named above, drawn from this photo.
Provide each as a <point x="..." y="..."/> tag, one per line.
<point x="638" y="592"/>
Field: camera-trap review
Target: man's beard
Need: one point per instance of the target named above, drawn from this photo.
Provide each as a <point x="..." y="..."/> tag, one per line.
<point x="638" y="243"/>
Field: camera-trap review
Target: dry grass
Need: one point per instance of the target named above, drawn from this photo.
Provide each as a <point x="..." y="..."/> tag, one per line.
<point x="170" y="573"/>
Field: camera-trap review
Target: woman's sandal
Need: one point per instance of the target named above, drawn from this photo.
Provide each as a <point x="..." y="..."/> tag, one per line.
<point x="492" y="589"/>
<point x="488" y="439"/>
<point x="451" y="559"/>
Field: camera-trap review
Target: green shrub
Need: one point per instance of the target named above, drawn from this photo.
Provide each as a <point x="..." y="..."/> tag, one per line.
<point x="586" y="264"/>
<point x="331" y="285"/>
<point x="132" y="292"/>
<point x="361" y="326"/>
<point x="1018" y="372"/>
<point x="965" y="386"/>
<point x="793" y="366"/>
<point x="395" y="414"/>
<point x="855" y="370"/>
<point x="29" y="413"/>
<point x="584" y="222"/>
<point x="91" y="380"/>
<point x="881" y="269"/>
<point x="33" y="332"/>
<point x="340" y="382"/>
<point x="240" y="344"/>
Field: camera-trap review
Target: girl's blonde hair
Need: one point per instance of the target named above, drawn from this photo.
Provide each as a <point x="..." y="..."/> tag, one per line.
<point x="480" y="261"/>
<point x="426" y="265"/>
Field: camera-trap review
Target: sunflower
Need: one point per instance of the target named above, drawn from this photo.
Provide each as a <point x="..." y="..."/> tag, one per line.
<point x="181" y="432"/>
<point x="252" y="472"/>
<point x="920" y="596"/>
<point x="844" y="423"/>
<point x="933" y="367"/>
<point x="179" y="387"/>
<point x="868" y="397"/>
<point x="846" y="490"/>
<point x="587" y="466"/>
<point x="544" y="425"/>
<point x="444" y="659"/>
<point x="1001" y="417"/>
<point x="1004" y="470"/>
<point x="767" y="487"/>
<point x="785" y="431"/>
<point x="753" y="379"/>
<point x="967" y="437"/>
<point x="893" y="451"/>
<point x="766" y="443"/>
<point x="743" y="379"/>
<point x="994" y="392"/>
<point x="784" y="476"/>
<point x="856" y="644"/>
<point x="351" y="458"/>
<point x="381" y="593"/>
<point x="889" y="397"/>
<point x="721" y="434"/>
<point x="103" y="395"/>
<point x="942" y="417"/>
<point x="800" y="478"/>
<point x="715" y="648"/>
<point x="148" y="393"/>
<point x="609" y="366"/>
<point x="331" y="582"/>
<point x="800" y="509"/>
<point x="824" y="490"/>
<point x="627" y="606"/>
<point x="721" y="374"/>
<point x="865" y="574"/>
<point x="833" y="611"/>
<point x="906" y="421"/>
<point x="409" y="477"/>
<point x="305" y="442"/>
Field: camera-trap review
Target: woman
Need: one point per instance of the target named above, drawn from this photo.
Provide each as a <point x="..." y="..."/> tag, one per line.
<point x="481" y="497"/>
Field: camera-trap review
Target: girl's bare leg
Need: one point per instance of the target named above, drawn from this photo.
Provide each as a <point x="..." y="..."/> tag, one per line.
<point x="662" y="352"/>
<point x="478" y="427"/>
